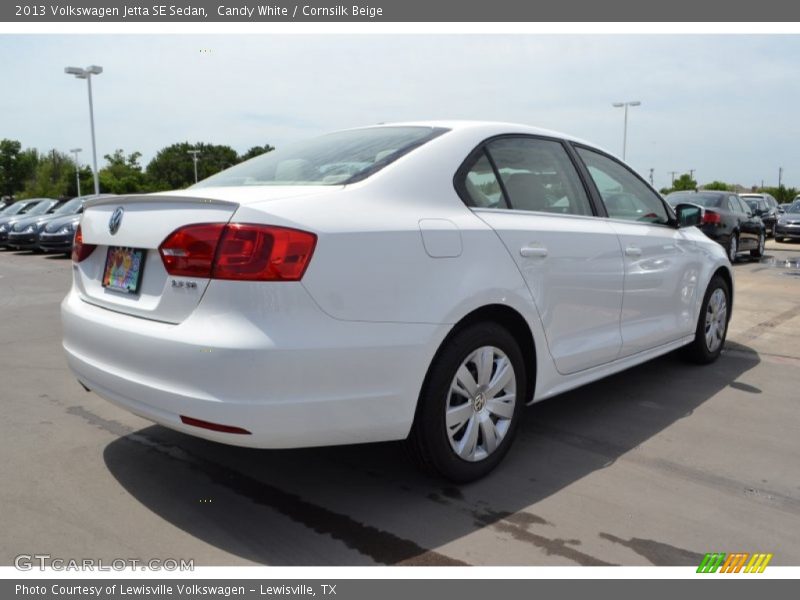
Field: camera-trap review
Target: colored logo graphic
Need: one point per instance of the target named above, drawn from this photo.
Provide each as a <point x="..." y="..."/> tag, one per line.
<point x="737" y="562"/>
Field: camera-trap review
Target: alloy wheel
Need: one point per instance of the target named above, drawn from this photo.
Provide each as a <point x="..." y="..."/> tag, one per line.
<point x="732" y="248"/>
<point x="480" y="404"/>
<point x="716" y="319"/>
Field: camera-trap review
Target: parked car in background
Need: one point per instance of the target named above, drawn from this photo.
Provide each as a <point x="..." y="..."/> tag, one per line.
<point x="57" y="233"/>
<point x="421" y="281"/>
<point x="764" y="206"/>
<point x="24" y="234"/>
<point x="788" y="227"/>
<point x="20" y="209"/>
<point x="727" y="220"/>
<point x="4" y="202"/>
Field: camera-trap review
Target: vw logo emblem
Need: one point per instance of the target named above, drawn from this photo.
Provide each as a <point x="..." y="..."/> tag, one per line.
<point x="115" y="220"/>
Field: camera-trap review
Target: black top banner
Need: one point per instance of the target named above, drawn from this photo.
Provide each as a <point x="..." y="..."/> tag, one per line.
<point x="407" y="11"/>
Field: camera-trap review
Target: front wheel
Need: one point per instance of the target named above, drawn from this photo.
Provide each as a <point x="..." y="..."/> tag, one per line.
<point x="712" y="326"/>
<point x="759" y="252"/>
<point x="470" y="404"/>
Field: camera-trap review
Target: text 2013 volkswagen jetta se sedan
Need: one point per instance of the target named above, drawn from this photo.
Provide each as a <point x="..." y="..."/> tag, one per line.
<point x="420" y="281"/>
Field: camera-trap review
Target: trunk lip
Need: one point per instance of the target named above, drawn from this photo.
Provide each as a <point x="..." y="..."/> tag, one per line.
<point x="159" y="197"/>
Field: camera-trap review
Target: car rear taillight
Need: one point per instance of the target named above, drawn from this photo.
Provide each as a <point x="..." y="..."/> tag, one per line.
<point x="712" y="217"/>
<point x="189" y="251"/>
<point x="80" y="251"/>
<point x="238" y="251"/>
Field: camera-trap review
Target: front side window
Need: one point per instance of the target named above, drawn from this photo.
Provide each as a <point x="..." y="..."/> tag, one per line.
<point x="524" y="173"/>
<point x="625" y="196"/>
<point x="334" y="159"/>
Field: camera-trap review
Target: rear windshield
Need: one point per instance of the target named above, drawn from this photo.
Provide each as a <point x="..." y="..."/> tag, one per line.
<point x="706" y="200"/>
<point x="333" y="159"/>
<point x="756" y="203"/>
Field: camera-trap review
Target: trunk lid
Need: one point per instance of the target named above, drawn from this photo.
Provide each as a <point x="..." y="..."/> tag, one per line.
<point x="146" y="222"/>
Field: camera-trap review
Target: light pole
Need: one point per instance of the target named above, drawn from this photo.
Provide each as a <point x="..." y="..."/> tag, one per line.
<point x="87" y="75"/>
<point x="195" y="154"/>
<point x="625" y="105"/>
<point x="77" y="168"/>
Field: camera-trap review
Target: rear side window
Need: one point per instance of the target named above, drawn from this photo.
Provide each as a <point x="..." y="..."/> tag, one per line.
<point x="525" y="173"/>
<point x="334" y="159"/>
<point x="481" y="185"/>
<point x="624" y="194"/>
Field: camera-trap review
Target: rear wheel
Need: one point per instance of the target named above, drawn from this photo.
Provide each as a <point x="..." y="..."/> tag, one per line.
<point x="712" y="325"/>
<point x="733" y="247"/>
<point x="759" y="251"/>
<point x="470" y="404"/>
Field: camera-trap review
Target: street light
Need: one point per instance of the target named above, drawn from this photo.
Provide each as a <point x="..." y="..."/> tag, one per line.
<point x="77" y="168"/>
<point x="194" y="154"/>
<point x="625" y="105"/>
<point x="87" y="75"/>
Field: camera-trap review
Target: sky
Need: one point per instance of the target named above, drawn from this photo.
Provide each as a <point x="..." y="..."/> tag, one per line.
<point x="726" y="106"/>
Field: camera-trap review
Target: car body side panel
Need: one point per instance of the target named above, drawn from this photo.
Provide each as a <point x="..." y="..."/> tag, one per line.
<point x="662" y="268"/>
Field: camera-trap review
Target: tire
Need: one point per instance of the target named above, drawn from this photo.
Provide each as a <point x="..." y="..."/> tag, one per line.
<point x="733" y="247"/>
<point x="706" y="348"/>
<point x="446" y="447"/>
<point x="759" y="252"/>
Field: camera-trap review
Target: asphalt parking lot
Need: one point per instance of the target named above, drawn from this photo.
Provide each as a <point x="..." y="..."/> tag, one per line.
<point x="656" y="465"/>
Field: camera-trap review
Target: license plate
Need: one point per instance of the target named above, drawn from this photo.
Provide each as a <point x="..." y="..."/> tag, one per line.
<point x="123" y="272"/>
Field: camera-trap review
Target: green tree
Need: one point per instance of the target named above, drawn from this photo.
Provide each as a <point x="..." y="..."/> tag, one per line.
<point x="51" y="177"/>
<point x="16" y="165"/>
<point x="172" y="167"/>
<point x="684" y="182"/>
<point x="256" y="151"/>
<point x="718" y="185"/>
<point x="782" y="194"/>
<point x="123" y="174"/>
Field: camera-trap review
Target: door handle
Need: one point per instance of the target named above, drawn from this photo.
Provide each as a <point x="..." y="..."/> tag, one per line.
<point x="533" y="251"/>
<point x="633" y="251"/>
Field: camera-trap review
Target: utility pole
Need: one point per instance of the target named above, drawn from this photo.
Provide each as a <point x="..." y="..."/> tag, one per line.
<point x="780" y="177"/>
<point x="195" y="154"/>
<point x="691" y="173"/>
<point x="651" y="175"/>
<point x="673" y="173"/>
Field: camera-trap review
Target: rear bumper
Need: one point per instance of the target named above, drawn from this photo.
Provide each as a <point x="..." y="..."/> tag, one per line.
<point x="279" y="368"/>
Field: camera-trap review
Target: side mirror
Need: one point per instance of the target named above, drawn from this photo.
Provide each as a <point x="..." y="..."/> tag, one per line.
<point x="688" y="215"/>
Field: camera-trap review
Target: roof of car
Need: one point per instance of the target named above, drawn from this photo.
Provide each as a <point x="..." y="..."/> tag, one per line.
<point x="499" y="128"/>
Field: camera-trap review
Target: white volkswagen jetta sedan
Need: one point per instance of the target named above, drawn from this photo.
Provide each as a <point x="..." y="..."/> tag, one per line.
<point x="418" y="281"/>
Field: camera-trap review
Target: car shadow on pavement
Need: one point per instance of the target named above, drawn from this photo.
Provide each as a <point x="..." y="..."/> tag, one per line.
<point x="366" y="504"/>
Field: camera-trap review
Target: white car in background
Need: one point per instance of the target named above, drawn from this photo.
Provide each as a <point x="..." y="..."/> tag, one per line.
<point x="418" y="281"/>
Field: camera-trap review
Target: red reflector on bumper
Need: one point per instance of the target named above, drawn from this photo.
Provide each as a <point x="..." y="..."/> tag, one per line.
<point x="213" y="426"/>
